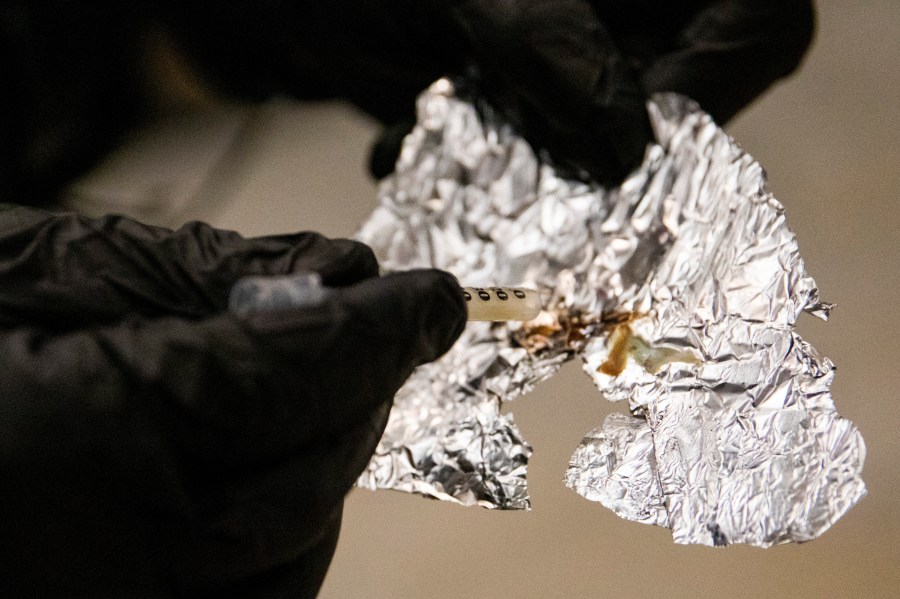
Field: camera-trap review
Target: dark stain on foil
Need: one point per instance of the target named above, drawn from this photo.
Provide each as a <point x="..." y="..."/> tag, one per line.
<point x="557" y="330"/>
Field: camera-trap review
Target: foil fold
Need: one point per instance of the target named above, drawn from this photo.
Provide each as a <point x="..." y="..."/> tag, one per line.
<point x="679" y="290"/>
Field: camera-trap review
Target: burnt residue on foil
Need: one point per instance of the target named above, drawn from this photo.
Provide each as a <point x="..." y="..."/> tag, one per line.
<point x="679" y="290"/>
<point x="556" y="330"/>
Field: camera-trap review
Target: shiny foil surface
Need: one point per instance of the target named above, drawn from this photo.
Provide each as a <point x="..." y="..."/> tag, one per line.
<point x="679" y="290"/>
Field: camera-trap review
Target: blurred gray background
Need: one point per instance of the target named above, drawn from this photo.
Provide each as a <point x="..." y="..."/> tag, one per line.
<point x="828" y="139"/>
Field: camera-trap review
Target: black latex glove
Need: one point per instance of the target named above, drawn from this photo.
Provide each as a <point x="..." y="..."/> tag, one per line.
<point x="574" y="75"/>
<point x="152" y="444"/>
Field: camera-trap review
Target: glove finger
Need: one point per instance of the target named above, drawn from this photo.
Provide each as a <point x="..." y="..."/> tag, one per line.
<point x="732" y="51"/>
<point x="420" y="312"/>
<point x="63" y="272"/>
<point x="554" y="69"/>
<point x="216" y="259"/>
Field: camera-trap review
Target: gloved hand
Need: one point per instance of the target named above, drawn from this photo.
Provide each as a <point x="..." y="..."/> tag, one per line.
<point x="573" y="75"/>
<point x="153" y="444"/>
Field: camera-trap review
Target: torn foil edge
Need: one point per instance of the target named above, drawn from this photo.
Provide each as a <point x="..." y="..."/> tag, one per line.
<point x="679" y="290"/>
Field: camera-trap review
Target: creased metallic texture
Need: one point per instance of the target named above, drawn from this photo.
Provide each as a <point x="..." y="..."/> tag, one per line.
<point x="679" y="290"/>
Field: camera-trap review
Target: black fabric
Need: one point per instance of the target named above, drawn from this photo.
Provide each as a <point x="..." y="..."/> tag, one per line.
<point x="152" y="444"/>
<point x="572" y="74"/>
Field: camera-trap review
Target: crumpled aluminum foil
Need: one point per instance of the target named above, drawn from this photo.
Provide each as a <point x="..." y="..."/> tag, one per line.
<point x="679" y="290"/>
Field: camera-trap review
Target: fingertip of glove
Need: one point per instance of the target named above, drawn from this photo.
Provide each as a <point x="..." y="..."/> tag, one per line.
<point x="423" y="310"/>
<point x="349" y="262"/>
<point x="447" y="312"/>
